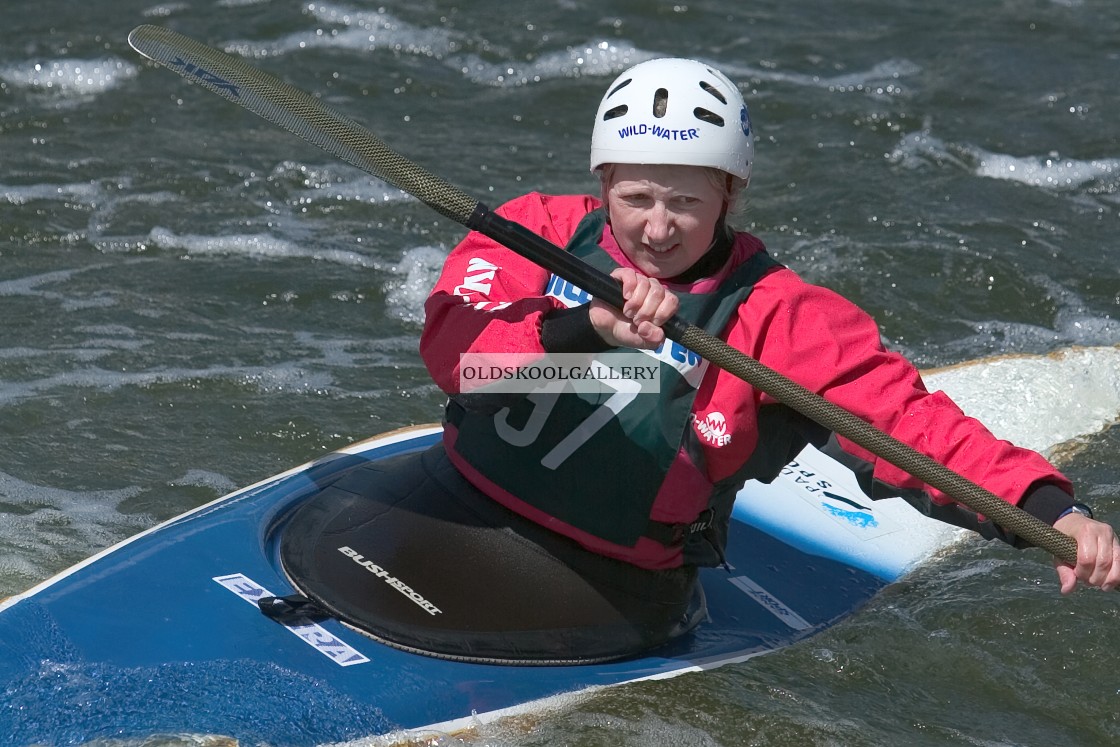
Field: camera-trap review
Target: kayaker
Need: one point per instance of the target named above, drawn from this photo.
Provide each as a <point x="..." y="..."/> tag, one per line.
<point x="636" y="502"/>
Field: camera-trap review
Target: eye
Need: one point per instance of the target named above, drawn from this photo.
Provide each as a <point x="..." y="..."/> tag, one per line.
<point x="635" y="198"/>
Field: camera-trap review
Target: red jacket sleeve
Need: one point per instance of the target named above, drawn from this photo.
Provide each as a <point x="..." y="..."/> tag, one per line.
<point x="489" y="298"/>
<point x="830" y="346"/>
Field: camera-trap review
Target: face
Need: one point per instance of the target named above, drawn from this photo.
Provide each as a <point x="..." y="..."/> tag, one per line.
<point x="663" y="217"/>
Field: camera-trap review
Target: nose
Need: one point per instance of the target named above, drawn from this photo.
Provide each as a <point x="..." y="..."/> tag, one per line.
<point x="659" y="224"/>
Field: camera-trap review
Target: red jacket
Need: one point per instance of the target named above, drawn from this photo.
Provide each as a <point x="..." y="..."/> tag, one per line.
<point x="491" y="299"/>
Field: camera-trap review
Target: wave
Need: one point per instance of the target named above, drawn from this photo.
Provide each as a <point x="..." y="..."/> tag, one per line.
<point x="361" y="30"/>
<point x="335" y="183"/>
<point x="32" y="285"/>
<point x="285" y="377"/>
<point x="882" y="79"/>
<point x="417" y="273"/>
<point x="219" y="484"/>
<point x="69" y="77"/>
<point x="1051" y="172"/>
<point x="593" y="58"/>
<point x="41" y="525"/>
<point x="1074" y="324"/>
<point x="260" y="245"/>
<point x="85" y="192"/>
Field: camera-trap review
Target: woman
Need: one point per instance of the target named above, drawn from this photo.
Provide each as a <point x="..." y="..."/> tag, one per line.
<point x="647" y="497"/>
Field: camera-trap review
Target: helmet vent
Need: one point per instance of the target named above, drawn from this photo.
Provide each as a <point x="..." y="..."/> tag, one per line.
<point x="660" y="102"/>
<point x="708" y="87"/>
<point x="706" y="116"/>
<point x="616" y="112"/>
<point x="619" y="87"/>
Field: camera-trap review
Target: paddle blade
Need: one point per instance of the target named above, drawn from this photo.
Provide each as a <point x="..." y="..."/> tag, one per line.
<point x="299" y="113"/>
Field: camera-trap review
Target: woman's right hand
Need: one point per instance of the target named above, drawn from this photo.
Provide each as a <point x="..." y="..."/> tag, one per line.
<point x="648" y="305"/>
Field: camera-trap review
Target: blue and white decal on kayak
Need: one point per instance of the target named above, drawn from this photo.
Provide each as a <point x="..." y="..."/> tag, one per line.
<point x="817" y="506"/>
<point x="313" y="634"/>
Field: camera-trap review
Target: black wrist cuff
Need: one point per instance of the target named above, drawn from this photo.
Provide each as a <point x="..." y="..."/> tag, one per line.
<point x="1046" y="502"/>
<point x="570" y="331"/>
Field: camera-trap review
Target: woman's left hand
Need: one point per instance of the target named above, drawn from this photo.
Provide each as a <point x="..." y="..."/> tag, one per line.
<point x="1098" y="554"/>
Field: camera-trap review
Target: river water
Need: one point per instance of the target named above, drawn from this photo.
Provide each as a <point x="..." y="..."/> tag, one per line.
<point x="192" y="299"/>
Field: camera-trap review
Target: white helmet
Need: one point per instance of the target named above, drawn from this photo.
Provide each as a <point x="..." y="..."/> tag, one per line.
<point x="674" y="111"/>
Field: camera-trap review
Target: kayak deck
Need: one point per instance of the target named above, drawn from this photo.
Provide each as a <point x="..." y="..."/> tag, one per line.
<point x="158" y="635"/>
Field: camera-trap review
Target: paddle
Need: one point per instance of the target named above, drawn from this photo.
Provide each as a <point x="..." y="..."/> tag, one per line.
<point x="304" y="115"/>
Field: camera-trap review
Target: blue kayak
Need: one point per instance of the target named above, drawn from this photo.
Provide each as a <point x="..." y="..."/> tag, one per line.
<point x="162" y="633"/>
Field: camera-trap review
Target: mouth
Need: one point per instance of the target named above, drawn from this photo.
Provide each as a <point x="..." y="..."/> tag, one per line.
<point x="661" y="249"/>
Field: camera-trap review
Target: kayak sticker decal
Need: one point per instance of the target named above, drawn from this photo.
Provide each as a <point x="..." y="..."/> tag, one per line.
<point x="313" y="634"/>
<point x="771" y="603"/>
<point x="821" y="488"/>
<point x="416" y="597"/>
<point x="858" y="515"/>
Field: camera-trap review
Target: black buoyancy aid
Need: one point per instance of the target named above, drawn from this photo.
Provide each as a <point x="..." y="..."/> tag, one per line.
<point x="602" y="479"/>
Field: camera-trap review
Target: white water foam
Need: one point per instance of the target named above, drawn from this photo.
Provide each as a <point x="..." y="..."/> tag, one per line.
<point x="39" y="286"/>
<point x="361" y="30"/>
<point x="165" y="10"/>
<point x="200" y="478"/>
<point x="365" y="30"/>
<point x="1073" y="319"/>
<point x="416" y="275"/>
<point x="69" y="77"/>
<point x="368" y="30"/>
<point x="34" y="286"/>
<point x="1074" y="324"/>
<point x="39" y="523"/>
<point x="882" y="79"/>
<point x="103" y="199"/>
<point x="593" y="58"/>
<point x="1051" y="172"/>
<point x="87" y="193"/>
<point x="335" y="183"/>
<point x="1038" y="401"/>
<point x="259" y="245"/>
<point x="30" y="285"/>
<point x="280" y="378"/>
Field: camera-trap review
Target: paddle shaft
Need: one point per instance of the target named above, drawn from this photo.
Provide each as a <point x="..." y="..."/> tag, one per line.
<point x="305" y="116"/>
